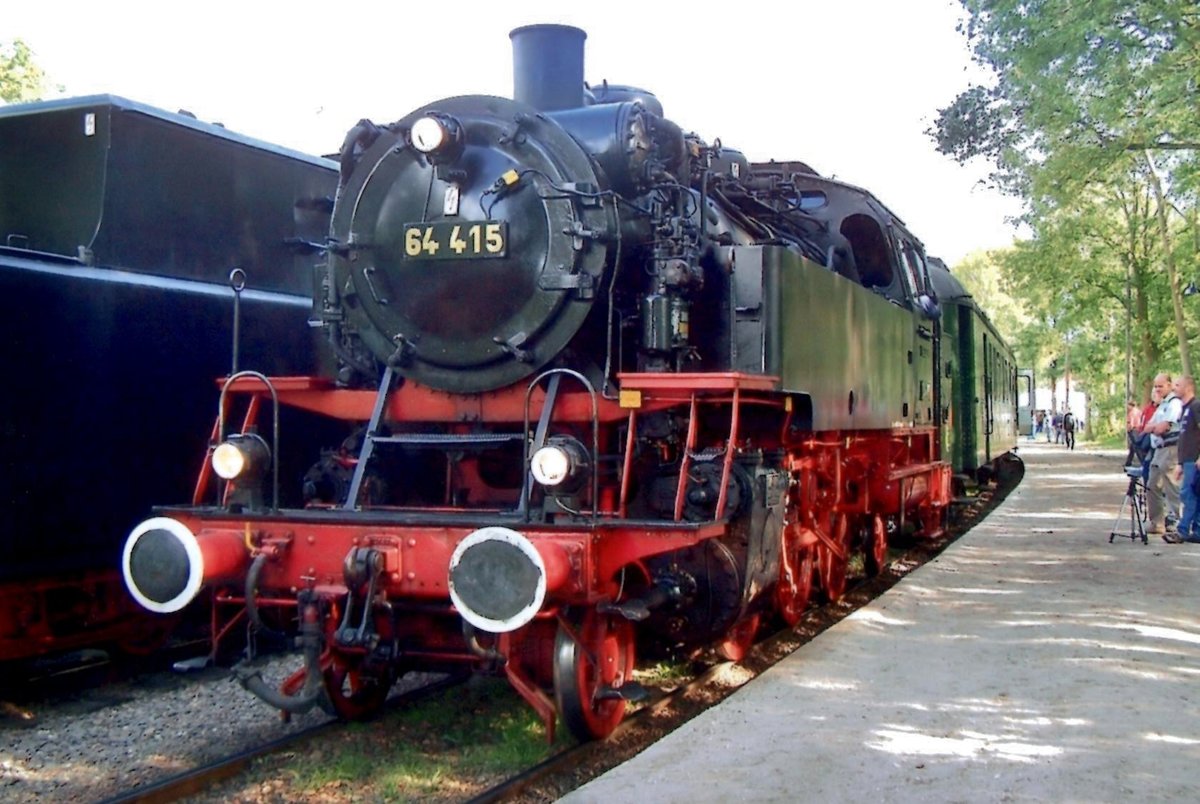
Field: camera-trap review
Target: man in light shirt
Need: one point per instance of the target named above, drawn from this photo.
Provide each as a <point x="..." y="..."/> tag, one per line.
<point x="1163" y="427"/>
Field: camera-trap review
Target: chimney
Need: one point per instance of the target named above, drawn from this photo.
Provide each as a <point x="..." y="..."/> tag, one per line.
<point x="548" y="66"/>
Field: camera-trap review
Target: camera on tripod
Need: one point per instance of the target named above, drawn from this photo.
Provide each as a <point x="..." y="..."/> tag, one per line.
<point x="1135" y="499"/>
<point x="1140" y="450"/>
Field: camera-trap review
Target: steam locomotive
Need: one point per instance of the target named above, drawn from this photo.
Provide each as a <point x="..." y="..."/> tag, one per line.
<point x="608" y="388"/>
<point x="119" y="226"/>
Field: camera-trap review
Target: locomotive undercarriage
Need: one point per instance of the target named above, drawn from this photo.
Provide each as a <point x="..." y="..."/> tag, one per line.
<point x="712" y="510"/>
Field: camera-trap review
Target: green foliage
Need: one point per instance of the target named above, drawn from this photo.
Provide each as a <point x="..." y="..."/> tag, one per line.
<point x="1092" y="120"/>
<point x="982" y="274"/>
<point x="21" y="79"/>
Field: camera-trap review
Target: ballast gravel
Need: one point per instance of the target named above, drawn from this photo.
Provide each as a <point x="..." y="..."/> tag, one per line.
<point x="113" y="740"/>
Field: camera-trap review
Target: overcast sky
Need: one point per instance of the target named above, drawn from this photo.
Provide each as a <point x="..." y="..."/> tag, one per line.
<point x="848" y="86"/>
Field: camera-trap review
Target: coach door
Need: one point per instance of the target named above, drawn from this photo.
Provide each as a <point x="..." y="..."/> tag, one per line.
<point x="989" y="396"/>
<point x="1025" y="395"/>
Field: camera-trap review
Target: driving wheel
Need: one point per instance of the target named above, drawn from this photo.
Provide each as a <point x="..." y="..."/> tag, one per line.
<point x="877" y="546"/>
<point x="831" y="561"/>
<point x="591" y="662"/>
<point x="795" y="576"/>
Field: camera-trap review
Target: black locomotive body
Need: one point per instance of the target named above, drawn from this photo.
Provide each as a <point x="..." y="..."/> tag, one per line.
<point x="119" y="227"/>
<point x="614" y="387"/>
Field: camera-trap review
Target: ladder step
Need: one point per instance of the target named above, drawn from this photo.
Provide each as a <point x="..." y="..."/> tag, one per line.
<point x="448" y="439"/>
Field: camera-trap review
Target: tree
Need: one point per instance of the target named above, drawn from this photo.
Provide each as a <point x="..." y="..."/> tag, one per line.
<point x="1091" y="121"/>
<point x="21" y="79"/>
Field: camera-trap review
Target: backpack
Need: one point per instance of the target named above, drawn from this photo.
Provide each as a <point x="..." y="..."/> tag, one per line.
<point x="1171" y="437"/>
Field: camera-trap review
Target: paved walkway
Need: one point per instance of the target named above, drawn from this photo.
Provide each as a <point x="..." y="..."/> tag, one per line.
<point x="1032" y="661"/>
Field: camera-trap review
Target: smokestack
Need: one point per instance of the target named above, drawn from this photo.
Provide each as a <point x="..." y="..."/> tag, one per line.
<point x="548" y="66"/>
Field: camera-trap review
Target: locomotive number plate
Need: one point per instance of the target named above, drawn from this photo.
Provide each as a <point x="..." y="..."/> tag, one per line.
<point x="447" y="240"/>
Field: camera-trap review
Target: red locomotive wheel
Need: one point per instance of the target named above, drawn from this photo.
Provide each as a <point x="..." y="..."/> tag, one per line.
<point x="877" y="547"/>
<point x="352" y="694"/>
<point x="585" y="675"/>
<point x="830" y="566"/>
<point x="739" y="638"/>
<point x="795" y="585"/>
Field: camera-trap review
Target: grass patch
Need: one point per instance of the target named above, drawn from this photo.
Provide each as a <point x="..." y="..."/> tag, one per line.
<point x="1114" y="441"/>
<point x="666" y="673"/>
<point x="446" y="748"/>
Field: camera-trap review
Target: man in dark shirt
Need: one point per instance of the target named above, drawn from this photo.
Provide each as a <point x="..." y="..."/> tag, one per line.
<point x="1188" y="529"/>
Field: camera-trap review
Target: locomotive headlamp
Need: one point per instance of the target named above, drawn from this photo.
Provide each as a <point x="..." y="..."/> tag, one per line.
<point x="435" y="134"/>
<point x="550" y="465"/>
<point x="243" y="461"/>
<point x="241" y="457"/>
<point x="563" y="461"/>
<point x="428" y="134"/>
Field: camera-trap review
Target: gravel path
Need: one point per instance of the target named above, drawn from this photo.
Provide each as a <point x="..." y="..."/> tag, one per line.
<point x="108" y="741"/>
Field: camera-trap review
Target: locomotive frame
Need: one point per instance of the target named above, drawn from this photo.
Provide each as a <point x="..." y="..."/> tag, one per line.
<point x="676" y="399"/>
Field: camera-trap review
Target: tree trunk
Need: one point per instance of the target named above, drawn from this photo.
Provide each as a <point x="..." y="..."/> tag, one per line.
<point x="1164" y="234"/>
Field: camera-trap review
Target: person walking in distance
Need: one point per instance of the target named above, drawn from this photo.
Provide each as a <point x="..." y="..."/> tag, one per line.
<point x="1188" y="529"/>
<point x="1163" y="427"/>
<point x="1069" y="429"/>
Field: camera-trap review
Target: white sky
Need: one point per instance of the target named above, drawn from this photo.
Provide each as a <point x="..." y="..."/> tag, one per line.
<point x="848" y="86"/>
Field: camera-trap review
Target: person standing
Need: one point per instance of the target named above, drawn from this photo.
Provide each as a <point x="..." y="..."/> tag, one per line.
<point x="1188" y="529"/>
<point x="1133" y="418"/>
<point x="1142" y="439"/>
<point x="1069" y="429"/>
<point x="1161" y="492"/>
<point x="1133" y="429"/>
<point x="1149" y="408"/>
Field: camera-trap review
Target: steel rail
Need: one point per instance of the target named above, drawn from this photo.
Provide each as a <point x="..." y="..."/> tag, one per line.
<point x="200" y="779"/>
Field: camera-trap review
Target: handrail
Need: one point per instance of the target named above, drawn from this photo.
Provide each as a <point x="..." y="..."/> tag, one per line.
<point x="275" y="436"/>
<point x="526" y="486"/>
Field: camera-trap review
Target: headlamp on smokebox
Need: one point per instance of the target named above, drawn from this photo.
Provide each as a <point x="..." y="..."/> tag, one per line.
<point x="438" y="136"/>
<point x="243" y="460"/>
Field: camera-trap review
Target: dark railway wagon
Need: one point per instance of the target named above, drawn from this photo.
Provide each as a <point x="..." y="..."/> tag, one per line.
<point x="980" y="382"/>
<point x="119" y="227"/>
<point x="614" y="388"/>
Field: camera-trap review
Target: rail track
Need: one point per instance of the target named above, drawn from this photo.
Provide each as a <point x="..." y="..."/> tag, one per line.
<point x="202" y="778"/>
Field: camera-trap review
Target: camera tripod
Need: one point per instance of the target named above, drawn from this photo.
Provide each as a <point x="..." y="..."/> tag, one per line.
<point x="1135" y="498"/>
